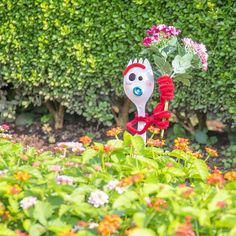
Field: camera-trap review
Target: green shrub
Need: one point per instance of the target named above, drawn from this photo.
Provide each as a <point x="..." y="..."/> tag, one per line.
<point x="71" y="54"/>
<point x="48" y="194"/>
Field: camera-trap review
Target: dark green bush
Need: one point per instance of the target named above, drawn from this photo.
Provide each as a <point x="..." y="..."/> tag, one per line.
<point x="70" y="54"/>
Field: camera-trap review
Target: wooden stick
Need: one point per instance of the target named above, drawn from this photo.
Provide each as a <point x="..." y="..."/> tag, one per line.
<point x="165" y="109"/>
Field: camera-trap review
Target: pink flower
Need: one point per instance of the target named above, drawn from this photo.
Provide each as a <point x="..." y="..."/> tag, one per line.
<point x="98" y="168"/>
<point x="108" y="164"/>
<point x="55" y="168"/>
<point x="21" y="233"/>
<point x="147" y="41"/>
<point x="114" y="185"/>
<point x="4" y="128"/>
<point x="168" y="30"/>
<point x="199" y="49"/>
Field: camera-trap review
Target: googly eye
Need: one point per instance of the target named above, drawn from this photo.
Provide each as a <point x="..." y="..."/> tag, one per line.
<point x="140" y="78"/>
<point x="132" y="77"/>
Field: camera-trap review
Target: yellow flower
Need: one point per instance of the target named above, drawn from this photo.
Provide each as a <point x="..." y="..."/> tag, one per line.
<point x="22" y="176"/>
<point x="231" y="175"/>
<point x="181" y="144"/>
<point x="211" y="152"/>
<point x="156" y="142"/>
<point x="114" y="132"/>
<point x="154" y="130"/>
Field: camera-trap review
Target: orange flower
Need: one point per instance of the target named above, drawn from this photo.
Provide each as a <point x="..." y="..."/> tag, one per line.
<point x="195" y="154"/>
<point x="216" y="178"/>
<point x="114" y="132"/>
<point x="231" y="175"/>
<point x="154" y="130"/>
<point x="68" y="234"/>
<point x="85" y="140"/>
<point x="15" y="189"/>
<point x="107" y="148"/>
<point x="156" y="142"/>
<point x="95" y="148"/>
<point x="22" y="176"/>
<point x="125" y="182"/>
<point x="185" y="229"/>
<point x="158" y="204"/>
<point x="109" y="225"/>
<point x="211" y="152"/>
<point x="181" y="144"/>
<point x="221" y="204"/>
<point x="185" y="190"/>
<point x="131" y="180"/>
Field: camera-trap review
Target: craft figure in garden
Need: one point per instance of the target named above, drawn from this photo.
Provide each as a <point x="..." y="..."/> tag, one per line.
<point x="173" y="59"/>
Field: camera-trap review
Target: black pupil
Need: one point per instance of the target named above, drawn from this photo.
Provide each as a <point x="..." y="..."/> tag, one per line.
<point x="132" y="77"/>
<point x="140" y="78"/>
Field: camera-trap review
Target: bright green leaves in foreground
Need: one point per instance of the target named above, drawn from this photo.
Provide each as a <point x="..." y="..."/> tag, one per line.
<point x="145" y="190"/>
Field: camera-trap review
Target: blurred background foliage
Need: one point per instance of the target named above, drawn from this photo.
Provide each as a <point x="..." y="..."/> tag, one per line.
<point x="69" y="55"/>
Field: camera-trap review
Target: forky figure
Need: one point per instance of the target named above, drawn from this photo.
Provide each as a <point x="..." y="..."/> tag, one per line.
<point x="139" y="86"/>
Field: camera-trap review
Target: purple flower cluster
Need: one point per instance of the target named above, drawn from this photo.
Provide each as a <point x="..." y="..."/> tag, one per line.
<point x="156" y="31"/>
<point x="64" y="179"/>
<point x="28" y="202"/>
<point x="98" y="198"/>
<point x="199" y="49"/>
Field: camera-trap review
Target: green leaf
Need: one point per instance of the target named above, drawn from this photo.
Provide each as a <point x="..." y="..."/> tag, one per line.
<point x="88" y="154"/>
<point x="220" y="196"/>
<point x="42" y="212"/>
<point x="162" y="65"/>
<point x="115" y="143"/>
<point x="127" y="138"/>
<point x="37" y="230"/>
<point x="226" y="221"/>
<point x="138" y="143"/>
<point x="25" y="119"/>
<point x="142" y="232"/>
<point x="4" y="231"/>
<point x="201" y="136"/>
<point x="199" y="169"/>
<point x="147" y="161"/>
<point x="150" y="188"/>
<point x="125" y="200"/>
<point x="139" y="219"/>
<point x="181" y="64"/>
<point x="184" y="78"/>
<point x="176" y="172"/>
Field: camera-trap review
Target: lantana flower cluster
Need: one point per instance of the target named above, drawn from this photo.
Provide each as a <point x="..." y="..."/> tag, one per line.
<point x="98" y="198"/>
<point x="109" y="225"/>
<point x="160" y="32"/>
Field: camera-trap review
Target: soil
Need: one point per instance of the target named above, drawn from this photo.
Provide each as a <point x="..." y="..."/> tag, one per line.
<point x="44" y="137"/>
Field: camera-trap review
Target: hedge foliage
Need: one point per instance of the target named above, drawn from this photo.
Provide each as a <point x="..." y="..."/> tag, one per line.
<point x="73" y="52"/>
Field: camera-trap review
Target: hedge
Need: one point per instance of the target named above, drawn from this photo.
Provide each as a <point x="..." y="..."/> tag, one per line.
<point x="69" y="54"/>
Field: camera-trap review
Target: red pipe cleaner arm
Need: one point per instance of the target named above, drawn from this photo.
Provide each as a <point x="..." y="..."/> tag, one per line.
<point x="159" y="117"/>
<point x="166" y="90"/>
